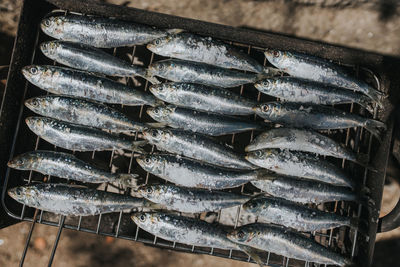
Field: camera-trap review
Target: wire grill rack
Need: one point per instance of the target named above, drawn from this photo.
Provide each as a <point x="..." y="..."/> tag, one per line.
<point x="119" y="225"/>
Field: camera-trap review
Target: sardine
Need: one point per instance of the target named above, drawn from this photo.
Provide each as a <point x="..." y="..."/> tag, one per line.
<point x="196" y="146"/>
<point x="190" y="173"/>
<point x="202" y="122"/>
<point x="299" y="164"/>
<point x="100" y="32"/>
<point x="66" y="81"/>
<point x="320" y="70"/>
<point x="68" y="166"/>
<point x="315" y="117"/>
<point x="87" y="58"/>
<point x="292" y="215"/>
<point x="77" y="137"/>
<point x="191" y="200"/>
<point x="75" y="200"/>
<point x="203" y="98"/>
<point x="283" y="242"/>
<point x="177" y="70"/>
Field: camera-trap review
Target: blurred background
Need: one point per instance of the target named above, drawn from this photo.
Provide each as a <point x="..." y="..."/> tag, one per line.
<point x="369" y="25"/>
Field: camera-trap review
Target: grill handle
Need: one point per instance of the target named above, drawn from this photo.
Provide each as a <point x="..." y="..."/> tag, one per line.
<point x="3" y="72"/>
<point x="391" y="220"/>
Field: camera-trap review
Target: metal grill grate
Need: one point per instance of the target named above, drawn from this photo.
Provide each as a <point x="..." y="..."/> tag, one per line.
<point x="120" y="226"/>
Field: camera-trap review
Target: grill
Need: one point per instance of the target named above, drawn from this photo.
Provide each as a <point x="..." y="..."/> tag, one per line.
<point x="16" y="138"/>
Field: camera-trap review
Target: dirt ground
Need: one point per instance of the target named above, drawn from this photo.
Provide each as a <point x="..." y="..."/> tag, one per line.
<point x="373" y="26"/>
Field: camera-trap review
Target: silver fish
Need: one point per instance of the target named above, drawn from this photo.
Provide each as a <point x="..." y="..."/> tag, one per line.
<point x="203" y="98"/>
<point x="202" y="122"/>
<point x="177" y="70"/>
<point x="283" y="242"/>
<point x="80" y="138"/>
<point x="292" y="215"/>
<point x="191" y="173"/>
<point x="191" y="200"/>
<point x="196" y="146"/>
<point x="74" y="200"/>
<point x="320" y="70"/>
<point x="66" y="81"/>
<point x="315" y="117"/>
<point x="80" y="111"/>
<point x="299" y="164"/>
<point x="100" y="32"/>
<point x="91" y="59"/>
<point x="68" y="166"/>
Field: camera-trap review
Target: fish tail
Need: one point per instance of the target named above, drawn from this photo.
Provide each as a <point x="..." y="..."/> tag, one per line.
<point x="137" y="146"/>
<point x="145" y="74"/>
<point x="359" y="225"/>
<point x="375" y="127"/>
<point x="264" y="174"/>
<point x="349" y="263"/>
<point x="253" y="253"/>
<point x="376" y="96"/>
<point x="269" y="72"/>
<point x="365" y="102"/>
<point x="174" y="31"/>
<point x="128" y="179"/>
<point x="153" y="206"/>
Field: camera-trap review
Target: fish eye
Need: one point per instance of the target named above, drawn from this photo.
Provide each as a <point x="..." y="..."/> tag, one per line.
<point x="157" y="42"/>
<point x="240" y="234"/>
<point x="276" y="53"/>
<point x="253" y="205"/>
<point x="161" y="66"/>
<point x="265" y="108"/>
<point x="161" y="88"/>
<point x="147" y="160"/>
<point x="154" y="133"/>
<point x="47" y="23"/>
<point x="35" y="103"/>
<point x="149" y="190"/>
<point x="142" y="218"/>
<point x="33" y="70"/>
<point x="258" y="153"/>
<point x="156" y="111"/>
<point x="20" y="161"/>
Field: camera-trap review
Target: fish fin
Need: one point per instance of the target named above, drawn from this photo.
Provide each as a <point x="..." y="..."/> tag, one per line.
<point x="375" y="127"/>
<point x="156" y="124"/>
<point x="253" y="253"/>
<point x="174" y="31"/>
<point x="127" y="179"/>
<point x="136" y="146"/>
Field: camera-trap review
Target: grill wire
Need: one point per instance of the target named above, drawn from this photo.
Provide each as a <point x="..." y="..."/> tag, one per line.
<point x="340" y="239"/>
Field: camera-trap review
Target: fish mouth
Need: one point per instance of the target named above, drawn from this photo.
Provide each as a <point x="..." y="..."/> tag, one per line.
<point x="150" y="46"/>
<point x="13" y="193"/>
<point x="11" y="164"/>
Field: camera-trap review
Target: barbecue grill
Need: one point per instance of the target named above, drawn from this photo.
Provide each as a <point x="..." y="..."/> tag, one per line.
<point x="15" y="137"/>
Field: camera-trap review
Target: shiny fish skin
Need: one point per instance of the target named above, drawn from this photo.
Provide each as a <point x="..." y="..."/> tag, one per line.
<point x="100" y="32"/>
<point x="202" y="122"/>
<point x="68" y="166"/>
<point x="203" y="98"/>
<point x="66" y="81"/>
<point x="196" y="146"/>
<point x="299" y="164"/>
<point x="177" y="70"/>
<point x="187" y="46"/>
<point x="315" y="117"/>
<point x="283" y="242"/>
<point x="76" y="137"/>
<point x="191" y="200"/>
<point x="301" y="140"/>
<point x="190" y="173"/>
<point x="74" y="200"/>
<point x="320" y="70"/>
<point x="293" y="215"/>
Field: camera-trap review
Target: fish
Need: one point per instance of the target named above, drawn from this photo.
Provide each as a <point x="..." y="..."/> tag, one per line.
<point x="178" y="70"/>
<point x="191" y="200"/>
<point x="203" y="98"/>
<point x="202" y="122"/>
<point x="74" y="200"/>
<point x="100" y="32"/>
<point x="196" y="146"/>
<point x="316" y="117"/>
<point x="320" y="70"/>
<point x="191" y="173"/>
<point x="68" y="166"/>
<point x="83" y="112"/>
<point x="79" y="138"/>
<point x="91" y="59"/>
<point x="66" y="81"/>
<point x="293" y="215"/>
<point x="287" y="243"/>
<point x="300" y="90"/>
<point x="299" y="164"/>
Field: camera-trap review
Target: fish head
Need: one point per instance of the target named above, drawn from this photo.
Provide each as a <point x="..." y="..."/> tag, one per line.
<point x="161" y="68"/>
<point x="36" y="124"/>
<point x="253" y="206"/>
<point x="241" y="235"/>
<point x="159" y="45"/>
<point x="267" y="85"/>
<point x="145" y="218"/>
<point x="50" y="48"/>
<point x="39" y="104"/>
<point x="151" y="191"/>
<point x="156" y="136"/>
<point x="152" y="163"/>
<point x="164" y="91"/>
<point x="36" y="73"/>
<point x="23" y="162"/>
<point x="268" y="110"/>
<point x="160" y="113"/>
<point x="53" y="26"/>
<point x="23" y="194"/>
<point x="279" y="59"/>
<point x="257" y="155"/>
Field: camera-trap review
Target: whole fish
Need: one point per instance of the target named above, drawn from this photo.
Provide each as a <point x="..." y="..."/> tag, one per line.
<point x="315" y="117"/>
<point x="303" y="140"/>
<point x="177" y="70"/>
<point x="68" y="166"/>
<point x="292" y="215"/>
<point x="197" y="48"/>
<point x="66" y="81"/>
<point x="80" y="138"/>
<point x="203" y="98"/>
<point x="299" y="164"/>
<point x="320" y="70"/>
<point x="202" y="122"/>
<point x="75" y="200"/>
<point x="300" y="90"/>
<point x="192" y="200"/>
<point x="283" y="242"/>
<point x="196" y="146"/>
<point x="83" y="112"/>
<point x="100" y="32"/>
<point x="191" y="173"/>
<point x="87" y="58"/>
